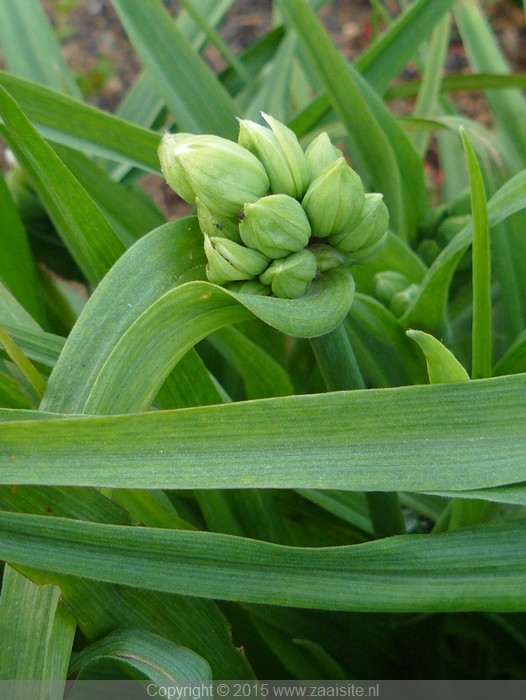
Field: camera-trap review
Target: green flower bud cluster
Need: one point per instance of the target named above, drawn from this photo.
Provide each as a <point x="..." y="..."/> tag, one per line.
<point x="273" y="216"/>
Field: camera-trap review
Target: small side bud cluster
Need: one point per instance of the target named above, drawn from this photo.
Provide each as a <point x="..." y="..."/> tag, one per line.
<point x="273" y="216"/>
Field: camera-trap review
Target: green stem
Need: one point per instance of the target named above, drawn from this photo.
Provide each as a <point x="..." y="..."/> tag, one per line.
<point x="336" y="360"/>
<point x="340" y="372"/>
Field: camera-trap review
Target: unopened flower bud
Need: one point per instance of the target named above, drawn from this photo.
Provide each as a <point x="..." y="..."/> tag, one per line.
<point x="290" y="277"/>
<point x="321" y="153"/>
<point x="221" y="173"/>
<point x="228" y="261"/>
<point x="216" y="224"/>
<point x="328" y="257"/>
<point x="334" y="199"/>
<point x="387" y="283"/>
<point x="369" y="229"/>
<point x="276" y="225"/>
<point x="250" y="287"/>
<point x="172" y="168"/>
<point x="403" y="300"/>
<point x="280" y="152"/>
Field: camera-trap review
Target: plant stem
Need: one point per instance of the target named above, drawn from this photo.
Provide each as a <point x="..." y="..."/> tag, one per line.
<point x="336" y="360"/>
<point x="340" y="372"/>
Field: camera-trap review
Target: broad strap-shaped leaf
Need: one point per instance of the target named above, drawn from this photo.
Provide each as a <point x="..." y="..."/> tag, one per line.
<point x="82" y="226"/>
<point x="421" y="438"/>
<point x="481" y="568"/>
<point x="37" y="632"/>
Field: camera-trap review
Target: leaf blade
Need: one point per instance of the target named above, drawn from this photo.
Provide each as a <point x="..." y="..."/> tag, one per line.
<point x="481" y="568"/>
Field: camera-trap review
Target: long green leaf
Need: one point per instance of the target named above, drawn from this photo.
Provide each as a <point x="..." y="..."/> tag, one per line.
<point x="424" y="438"/>
<point x="460" y="83"/>
<point x="192" y="93"/>
<point x="391" y="52"/>
<point x="481" y="568"/>
<point x="386" y="57"/>
<point x="84" y="229"/>
<point x="78" y="125"/>
<point x="17" y="267"/>
<point x="482" y="331"/>
<point x="484" y="54"/>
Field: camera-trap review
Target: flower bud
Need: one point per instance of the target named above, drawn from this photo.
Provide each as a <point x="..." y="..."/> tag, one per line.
<point x="221" y="173"/>
<point x="216" y="224"/>
<point x="290" y="277"/>
<point x="228" y="261"/>
<point x="369" y="229"/>
<point x="321" y="153"/>
<point x="328" y="257"/>
<point x="276" y="225"/>
<point x="172" y="168"/>
<point x="403" y="300"/>
<point x="250" y="287"/>
<point x="387" y="283"/>
<point x="280" y="152"/>
<point x="334" y="199"/>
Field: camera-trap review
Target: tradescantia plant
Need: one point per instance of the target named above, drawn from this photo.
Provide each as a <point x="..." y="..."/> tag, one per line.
<point x="283" y="436"/>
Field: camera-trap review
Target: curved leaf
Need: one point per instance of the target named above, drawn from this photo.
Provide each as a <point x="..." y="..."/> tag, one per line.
<point x="157" y="658"/>
<point x="442" y="365"/>
<point x="159" y="284"/>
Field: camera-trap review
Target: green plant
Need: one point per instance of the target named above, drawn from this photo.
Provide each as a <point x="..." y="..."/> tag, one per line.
<point x="317" y="477"/>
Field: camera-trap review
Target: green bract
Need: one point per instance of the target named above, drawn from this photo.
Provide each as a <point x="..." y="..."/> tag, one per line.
<point x="276" y="225"/>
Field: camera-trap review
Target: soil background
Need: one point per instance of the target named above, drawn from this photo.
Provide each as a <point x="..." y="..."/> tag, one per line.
<point x="97" y="51"/>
